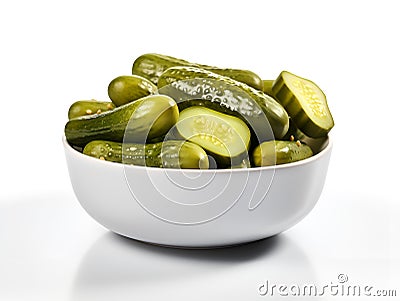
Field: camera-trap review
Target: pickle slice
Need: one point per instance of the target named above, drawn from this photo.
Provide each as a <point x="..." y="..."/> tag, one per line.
<point x="280" y="152"/>
<point x="224" y="137"/>
<point x="305" y="103"/>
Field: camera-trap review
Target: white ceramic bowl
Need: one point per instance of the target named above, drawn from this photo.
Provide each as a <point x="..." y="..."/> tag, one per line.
<point x="198" y="208"/>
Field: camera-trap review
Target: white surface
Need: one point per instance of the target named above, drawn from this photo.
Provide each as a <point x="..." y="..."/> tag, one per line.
<point x="54" y="53"/>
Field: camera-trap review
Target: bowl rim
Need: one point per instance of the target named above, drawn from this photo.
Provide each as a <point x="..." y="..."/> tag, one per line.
<point x="307" y="161"/>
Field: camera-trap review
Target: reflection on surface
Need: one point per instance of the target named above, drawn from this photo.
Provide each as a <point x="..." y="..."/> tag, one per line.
<point x="131" y="269"/>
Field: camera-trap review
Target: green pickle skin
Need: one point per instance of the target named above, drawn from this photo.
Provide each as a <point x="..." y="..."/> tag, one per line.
<point x="267" y="86"/>
<point x="167" y="154"/>
<point x="280" y="152"/>
<point x="89" y="107"/>
<point x="152" y="65"/>
<point x="147" y="118"/>
<point x="227" y="96"/>
<point x="127" y="88"/>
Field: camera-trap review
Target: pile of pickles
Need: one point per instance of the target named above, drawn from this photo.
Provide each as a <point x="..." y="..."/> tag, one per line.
<point x="171" y="113"/>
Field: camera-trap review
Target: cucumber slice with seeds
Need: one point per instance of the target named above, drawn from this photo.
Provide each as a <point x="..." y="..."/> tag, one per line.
<point x="305" y="103"/>
<point x="224" y="137"/>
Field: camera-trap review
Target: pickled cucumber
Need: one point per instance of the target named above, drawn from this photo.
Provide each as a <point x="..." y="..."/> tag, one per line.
<point x="279" y="152"/>
<point x="89" y="107"/>
<point x="293" y="132"/>
<point x="126" y="88"/>
<point x="193" y="86"/>
<point x="225" y="137"/>
<point x="171" y="113"/>
<point x="167" y="154"/>
<point x="267" y="86"/>
<point x="146" y="118"/>
<point x="152" y="65"/>
<point x="305" y="103"/>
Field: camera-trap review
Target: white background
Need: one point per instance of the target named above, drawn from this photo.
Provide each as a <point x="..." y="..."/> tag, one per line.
<point x="53" y="53"/>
